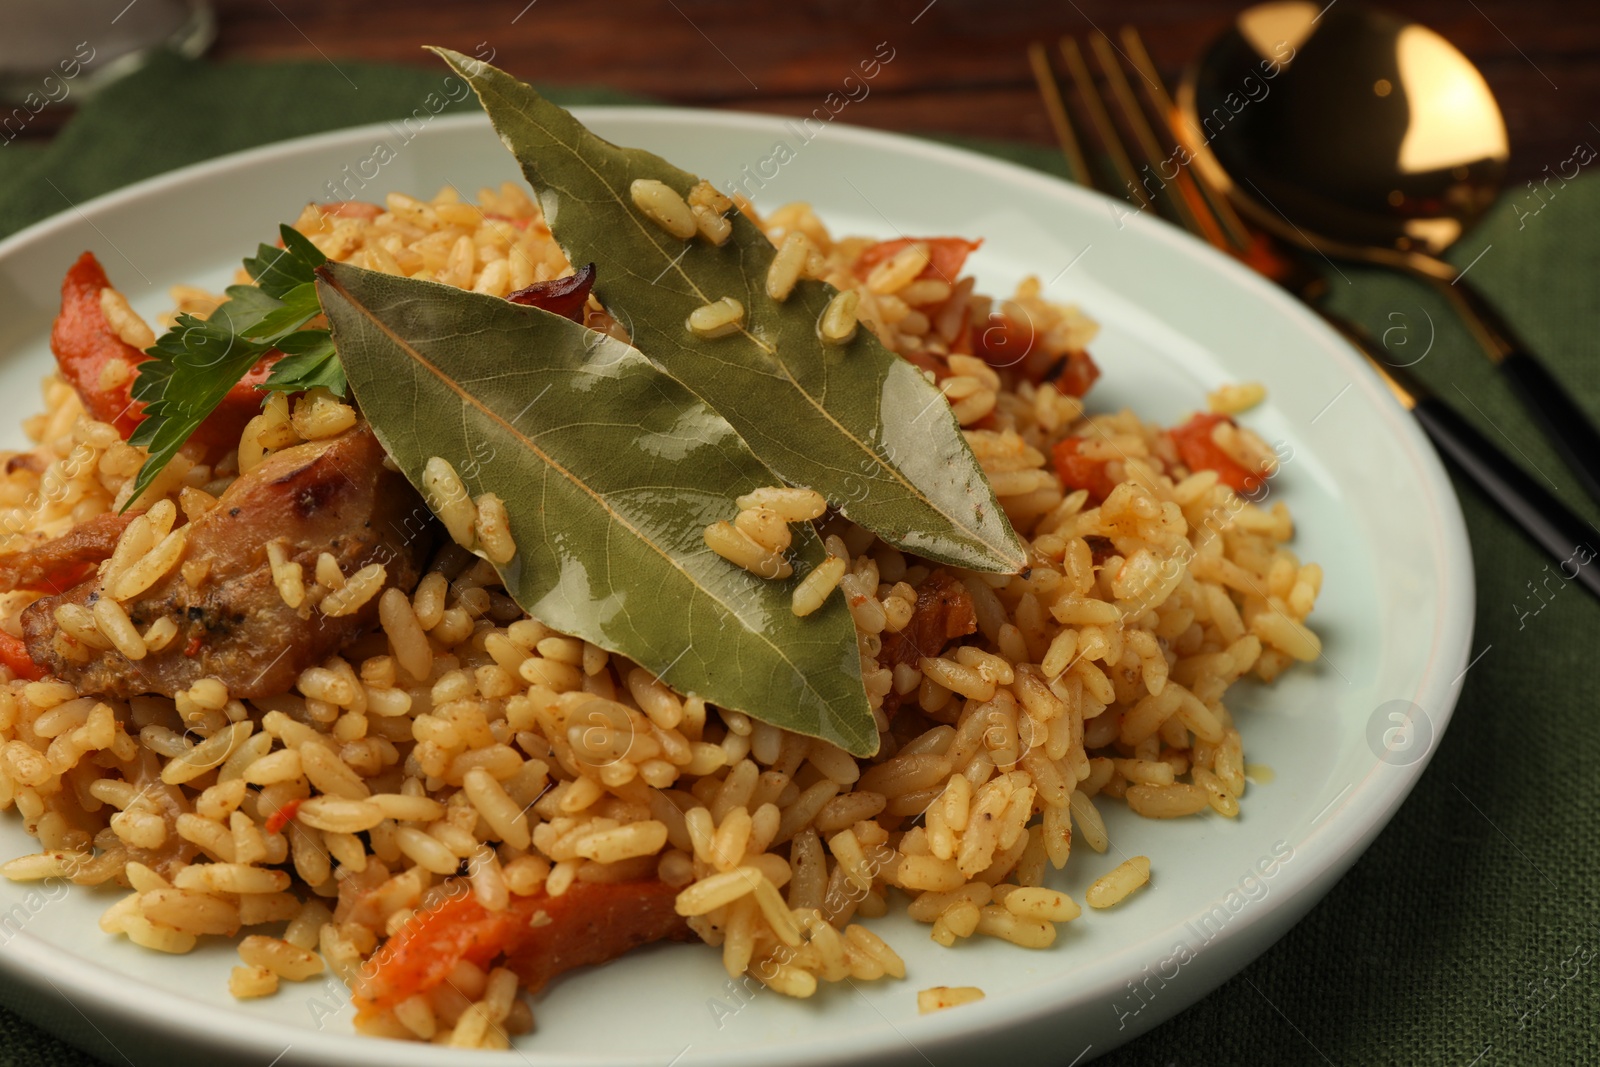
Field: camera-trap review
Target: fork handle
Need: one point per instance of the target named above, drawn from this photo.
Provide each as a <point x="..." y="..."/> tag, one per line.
<point x="1567" y="538"/>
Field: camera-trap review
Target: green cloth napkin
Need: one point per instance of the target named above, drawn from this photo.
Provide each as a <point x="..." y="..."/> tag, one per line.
<point x="1467" y="934"/>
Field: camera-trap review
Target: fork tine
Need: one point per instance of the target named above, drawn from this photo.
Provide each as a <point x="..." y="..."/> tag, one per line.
<point x="1204" y="201"/>
<point x="1207" y="202"/>
<point x="1060" y="120"/>
<point x="1144" y="138"/>
<point x="1100" y="118"/>
<point x="1187" y="203"/>
<point x="1056" y="107"/>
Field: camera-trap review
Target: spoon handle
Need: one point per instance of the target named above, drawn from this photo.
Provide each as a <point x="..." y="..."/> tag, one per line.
<point x="1567" y="426"/>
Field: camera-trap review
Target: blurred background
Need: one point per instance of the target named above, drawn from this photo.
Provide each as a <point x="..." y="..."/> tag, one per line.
<point x="959" y="66"/>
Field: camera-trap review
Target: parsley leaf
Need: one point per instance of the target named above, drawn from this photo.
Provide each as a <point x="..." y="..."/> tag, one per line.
<point x="194" y="365"/>
<point x="278" y="271"/>
<point x="309" y="361"/>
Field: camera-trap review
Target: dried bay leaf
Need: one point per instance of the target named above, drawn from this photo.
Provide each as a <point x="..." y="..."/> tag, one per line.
<point x="856" y="423"/>
<point x="610" y="471"/>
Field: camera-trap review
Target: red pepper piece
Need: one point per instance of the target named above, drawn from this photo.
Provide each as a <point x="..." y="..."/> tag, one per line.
<point x="563" y="296"/>
<point x="1001" y="342"/>
<point x="1075" y="375"/>
<point x="1200" y="452"/>
<point x="944" y="612"/>
<point x="946" y="256"/>
<point x="1078" y="471"/>
<point x="280" y="818"/>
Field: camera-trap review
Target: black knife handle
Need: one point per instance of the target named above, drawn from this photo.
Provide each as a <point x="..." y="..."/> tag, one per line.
<point x="1572" y="542"/>
<point x="1567" y="426"/>
<point x="1563" y="422"/>
<point x="1569" y="540"/>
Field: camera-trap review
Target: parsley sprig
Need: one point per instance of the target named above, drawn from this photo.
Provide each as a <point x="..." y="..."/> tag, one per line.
<point x="195" y="364"/>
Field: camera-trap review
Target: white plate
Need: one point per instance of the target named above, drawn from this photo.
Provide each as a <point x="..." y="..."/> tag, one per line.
<point x="1370" y="499"/>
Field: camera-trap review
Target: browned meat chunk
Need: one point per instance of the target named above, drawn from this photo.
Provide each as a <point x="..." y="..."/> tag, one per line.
<point x="59" y="564"/>
<point x="327" y="496"/>
<point x="944" y="612"/>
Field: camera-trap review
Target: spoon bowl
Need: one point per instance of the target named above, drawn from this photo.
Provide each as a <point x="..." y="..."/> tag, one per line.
<point x="1362" y="135"/>
<point x="1356" y="131"/>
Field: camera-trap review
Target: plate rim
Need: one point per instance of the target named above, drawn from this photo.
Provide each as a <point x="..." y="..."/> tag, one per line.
<point x="35" y="963"/>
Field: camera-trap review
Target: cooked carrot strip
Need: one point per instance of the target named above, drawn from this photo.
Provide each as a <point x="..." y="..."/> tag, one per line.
<point x="538" y="937"/>
<point x="14" y="654"/>
<point x="85" y="345"/>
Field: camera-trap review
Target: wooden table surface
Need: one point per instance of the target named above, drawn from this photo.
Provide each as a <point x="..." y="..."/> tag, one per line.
<point x="958" y="65"/>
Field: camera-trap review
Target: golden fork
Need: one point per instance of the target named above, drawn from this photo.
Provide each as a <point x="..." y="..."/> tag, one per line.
<point x="1162" y="183"/>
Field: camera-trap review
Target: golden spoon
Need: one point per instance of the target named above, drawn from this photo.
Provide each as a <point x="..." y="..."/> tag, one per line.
<point x="1362" y="135"/>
